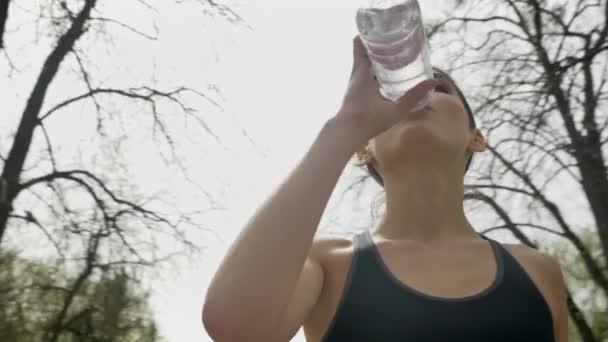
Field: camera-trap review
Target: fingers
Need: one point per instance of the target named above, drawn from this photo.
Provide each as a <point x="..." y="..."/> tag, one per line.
<point x="359" y="51"/>
<point x="413" y="96"/>
<point x="360" y="57"/>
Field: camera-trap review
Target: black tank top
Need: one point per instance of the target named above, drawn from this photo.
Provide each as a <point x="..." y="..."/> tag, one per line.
<point x="376" y="306"/>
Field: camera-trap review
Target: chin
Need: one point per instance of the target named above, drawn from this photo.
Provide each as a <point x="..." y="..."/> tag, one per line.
<point x="417" y="132"/>
<point x="417" y="142"/>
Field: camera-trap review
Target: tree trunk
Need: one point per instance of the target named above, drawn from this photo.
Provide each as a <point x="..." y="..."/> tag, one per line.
<point x="29" y="119"/>
<point x="3" y="17"/>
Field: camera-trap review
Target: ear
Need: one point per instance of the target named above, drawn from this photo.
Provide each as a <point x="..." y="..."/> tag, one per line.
<point x="478" y="142"/>
<point x="364" y="154"/>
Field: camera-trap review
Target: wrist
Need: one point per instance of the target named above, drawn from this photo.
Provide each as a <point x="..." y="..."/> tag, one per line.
<point x="341" y="130"/>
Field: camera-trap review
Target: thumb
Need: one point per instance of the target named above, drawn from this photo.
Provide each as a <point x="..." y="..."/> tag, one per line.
<point x="360" y="57"/>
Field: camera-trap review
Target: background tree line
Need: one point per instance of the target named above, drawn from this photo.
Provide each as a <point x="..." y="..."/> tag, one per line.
<point x="77" y="237"/>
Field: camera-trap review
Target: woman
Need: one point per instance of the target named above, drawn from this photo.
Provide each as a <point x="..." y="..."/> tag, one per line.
<point x="423" y="274"/>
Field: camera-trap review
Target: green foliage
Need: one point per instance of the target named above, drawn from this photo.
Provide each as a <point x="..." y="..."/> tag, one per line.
<point x="107" y="307"/>
<point x="587" y="294"/>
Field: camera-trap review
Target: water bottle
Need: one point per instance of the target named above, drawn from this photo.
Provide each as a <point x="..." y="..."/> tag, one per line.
<point x="393" y="35"/>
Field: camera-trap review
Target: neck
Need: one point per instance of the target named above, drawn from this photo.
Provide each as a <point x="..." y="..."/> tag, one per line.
<point x="425" y="204"/>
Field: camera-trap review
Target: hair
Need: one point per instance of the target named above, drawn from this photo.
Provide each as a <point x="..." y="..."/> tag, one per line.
<point x="472" y="124"/>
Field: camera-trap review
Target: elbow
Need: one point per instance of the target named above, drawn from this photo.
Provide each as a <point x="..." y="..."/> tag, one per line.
<point x="223" y="323"/>
<point x="210" y="323"/>
<point x="216" y="323"/>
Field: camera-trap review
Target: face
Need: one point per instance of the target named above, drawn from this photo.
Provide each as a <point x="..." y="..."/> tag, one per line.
<point x="438" y="134"/>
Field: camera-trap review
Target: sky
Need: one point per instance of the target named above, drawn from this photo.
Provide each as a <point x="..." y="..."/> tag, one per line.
<point x="280" y="76"/>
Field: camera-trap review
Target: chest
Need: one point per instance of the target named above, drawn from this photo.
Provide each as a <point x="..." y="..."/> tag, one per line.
<point x="454" y="275"/>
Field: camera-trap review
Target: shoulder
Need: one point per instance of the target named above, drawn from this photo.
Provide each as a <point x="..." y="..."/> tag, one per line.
<point x="552" y="282"/>
<point x="541" y="259"/>
<point x="551" y="270"/>
<point x="547" y="273"/>
<point x="324" y="246"/>
<point x="544" y="269"/>
<point x="332" y="252"/>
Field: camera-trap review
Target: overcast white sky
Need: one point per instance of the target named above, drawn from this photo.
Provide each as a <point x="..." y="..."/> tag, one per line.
<point x="280" y="81"/>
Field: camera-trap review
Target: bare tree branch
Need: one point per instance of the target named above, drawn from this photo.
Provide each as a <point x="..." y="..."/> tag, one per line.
<point x="31" y="220"/>
<point x="49" y="146"/>
<point x="210" y="7"/>
<point x="134" y="30"/>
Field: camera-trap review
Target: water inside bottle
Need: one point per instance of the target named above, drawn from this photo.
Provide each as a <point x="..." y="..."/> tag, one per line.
<point x="396" y="44"/>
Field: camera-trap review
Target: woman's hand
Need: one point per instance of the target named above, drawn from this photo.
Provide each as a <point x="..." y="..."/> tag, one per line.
<point x="364" y="109"/>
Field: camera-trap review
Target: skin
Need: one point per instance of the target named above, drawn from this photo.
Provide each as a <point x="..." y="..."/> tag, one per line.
<point x="422" y="161"/>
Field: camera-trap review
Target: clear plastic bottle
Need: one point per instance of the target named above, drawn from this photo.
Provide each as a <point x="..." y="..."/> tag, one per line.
<point x="393" y="34"/>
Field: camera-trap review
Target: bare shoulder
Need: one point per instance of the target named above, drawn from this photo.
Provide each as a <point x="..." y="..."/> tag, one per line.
<point x="545" y="269"/>
<point x="542" y="261"/>
<point x="547" y="263"/>
<point x="333" y="253"/>
<point x="547" y="273"/>
<point x="326" y="246"/>
<point x="533" y="255"/>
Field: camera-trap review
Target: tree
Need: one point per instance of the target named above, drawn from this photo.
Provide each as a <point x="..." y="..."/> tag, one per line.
<point x="109" y="308"/>
<point x="74" y="21"/>
<point x="100" y="227"/>
<point x="577" y="277"/>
